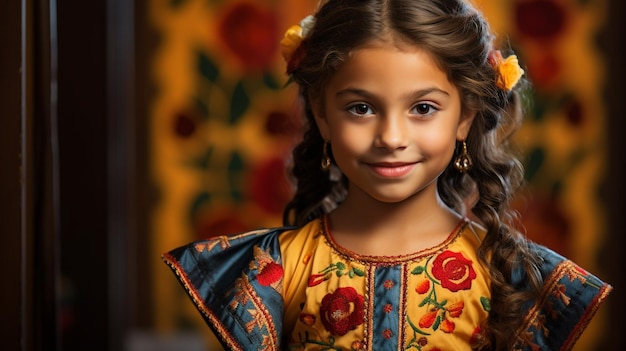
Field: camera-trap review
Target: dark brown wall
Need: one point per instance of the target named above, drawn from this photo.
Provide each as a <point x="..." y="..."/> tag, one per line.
<point x="10" y="165"/>
<point x="614" y="258"/>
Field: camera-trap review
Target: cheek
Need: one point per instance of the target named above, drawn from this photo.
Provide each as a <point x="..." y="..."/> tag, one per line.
<point x="349" y="142"/>
<point x="349" y="146"/>
<point x="432" y="144"/>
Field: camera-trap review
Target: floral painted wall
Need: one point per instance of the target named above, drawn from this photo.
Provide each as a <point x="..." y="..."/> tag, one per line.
<point x="222" y="125"/>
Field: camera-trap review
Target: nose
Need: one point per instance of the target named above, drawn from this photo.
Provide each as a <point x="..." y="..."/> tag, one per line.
<point x="392" y="133"/>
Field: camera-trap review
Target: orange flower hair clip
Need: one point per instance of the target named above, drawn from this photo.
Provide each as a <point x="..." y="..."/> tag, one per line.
<point x="508" y="70"/>
<point x="292" y="40"/>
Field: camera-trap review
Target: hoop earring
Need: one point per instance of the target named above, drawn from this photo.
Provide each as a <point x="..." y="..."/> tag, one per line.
<point x="325" y="159"/>
<point x="463" y="162"/>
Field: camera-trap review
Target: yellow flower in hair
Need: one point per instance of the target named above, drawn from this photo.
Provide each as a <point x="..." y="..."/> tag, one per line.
<point x="508" y="70"/>
<point x="294" y="35"/>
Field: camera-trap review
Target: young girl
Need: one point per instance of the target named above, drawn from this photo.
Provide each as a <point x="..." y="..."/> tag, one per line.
<point x="400" y="235"/>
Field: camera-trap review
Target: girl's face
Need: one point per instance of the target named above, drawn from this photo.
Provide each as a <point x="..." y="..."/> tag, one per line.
<point x="392" y="118"/>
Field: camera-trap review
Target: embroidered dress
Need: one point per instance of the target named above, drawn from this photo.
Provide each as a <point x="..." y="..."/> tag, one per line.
<point x="297" y="289"/>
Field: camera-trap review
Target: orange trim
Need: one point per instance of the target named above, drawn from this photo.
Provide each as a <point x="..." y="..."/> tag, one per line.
<point x="587" y="316"/>
<point x="551" y="283"/>
<point x="199" y="303"/>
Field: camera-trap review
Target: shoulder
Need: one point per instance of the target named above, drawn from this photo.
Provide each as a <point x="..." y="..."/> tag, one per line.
<point x="236" y="283"/>
<point x="569" y="299"/>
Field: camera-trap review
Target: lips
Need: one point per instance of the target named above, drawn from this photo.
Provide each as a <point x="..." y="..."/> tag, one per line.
<point x="391" y="170"/>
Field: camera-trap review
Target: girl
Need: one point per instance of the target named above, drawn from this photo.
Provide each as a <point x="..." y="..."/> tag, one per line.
<point x="400" y="234"/>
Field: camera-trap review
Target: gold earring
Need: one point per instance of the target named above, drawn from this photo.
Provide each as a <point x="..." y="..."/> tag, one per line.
<point x="325" y="159"/>
<point x="463" y="162"/>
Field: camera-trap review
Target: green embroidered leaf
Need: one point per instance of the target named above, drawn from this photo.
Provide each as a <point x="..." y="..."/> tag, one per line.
<point x="358" y="272"/>
<point x="340" y="265"/>
<point x="417" y="270"/>
<point x="486" y="303"/>
<point x="437" y="323"/>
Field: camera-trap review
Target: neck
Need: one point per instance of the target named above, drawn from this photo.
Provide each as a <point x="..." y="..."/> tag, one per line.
<point x="424" y="212"/>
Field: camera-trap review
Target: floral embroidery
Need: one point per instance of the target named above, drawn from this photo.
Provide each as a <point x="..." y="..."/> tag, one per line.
<point x="454" y="271"/>
<point x="449" y="270"/>
<point x="342" y="310"/>
<point x="456" y="309"/>
<point x="340" y="270"/>
<point x="477" y="337"/>
<point x="308" y="319"/>
<point x="387" y="334"/>
<point x="358" y="346"/>
<point x="423" y="286"/>
<point x="270" y="273"/>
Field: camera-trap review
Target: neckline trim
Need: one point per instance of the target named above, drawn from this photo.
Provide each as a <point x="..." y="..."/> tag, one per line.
<point x="389" y="260"/>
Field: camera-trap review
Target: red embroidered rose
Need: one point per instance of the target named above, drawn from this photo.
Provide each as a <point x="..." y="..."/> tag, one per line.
<point x="270" y="273"/>
<point x="342" y="310"/>
<point x="454" y="271"/>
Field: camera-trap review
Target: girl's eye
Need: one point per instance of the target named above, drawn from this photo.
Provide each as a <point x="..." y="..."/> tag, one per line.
<point x="360" y="109"/>
<point x="424" y="109"/>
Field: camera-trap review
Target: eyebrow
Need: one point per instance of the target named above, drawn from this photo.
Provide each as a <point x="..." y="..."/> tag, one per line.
<point x="413" y="95"/>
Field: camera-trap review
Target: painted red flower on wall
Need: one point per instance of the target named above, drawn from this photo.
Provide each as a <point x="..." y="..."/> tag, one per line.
<point x="454" y="271"/>
<point x="251" y="33"/>
<point x="540" y="19"/>
<point x="342" y="310"/>
<point x="268" y="185"/>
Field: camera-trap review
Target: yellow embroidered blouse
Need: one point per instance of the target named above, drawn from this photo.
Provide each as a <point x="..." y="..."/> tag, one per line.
<point x="297" y="289"/>
<point x="337" y="299"/>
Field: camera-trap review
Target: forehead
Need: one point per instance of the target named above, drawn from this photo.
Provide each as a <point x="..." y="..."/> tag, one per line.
<point x="389" y="68"/>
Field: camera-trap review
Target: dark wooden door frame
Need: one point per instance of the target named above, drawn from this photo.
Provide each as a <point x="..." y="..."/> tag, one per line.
<point x="29" y="180"/>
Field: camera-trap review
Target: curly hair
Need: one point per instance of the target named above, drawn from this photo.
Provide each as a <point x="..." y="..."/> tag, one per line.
<point x="459" y="37"/>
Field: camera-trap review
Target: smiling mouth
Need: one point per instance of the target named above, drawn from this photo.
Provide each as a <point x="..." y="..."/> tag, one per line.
<point x="391" y="170"/>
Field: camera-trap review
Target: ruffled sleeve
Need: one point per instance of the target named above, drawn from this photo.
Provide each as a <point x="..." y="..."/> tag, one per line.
<point x="236" y="284"/>
<point x="569" y="299"/>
